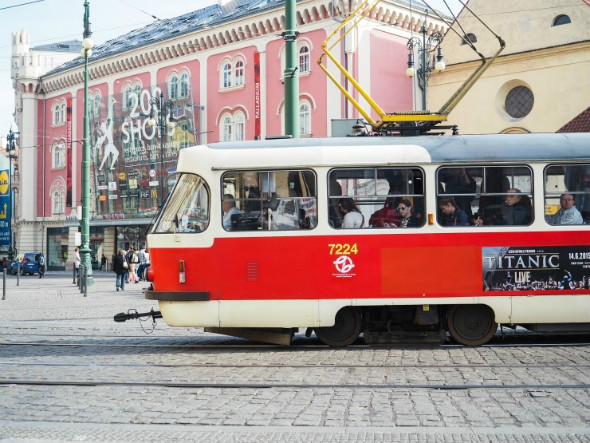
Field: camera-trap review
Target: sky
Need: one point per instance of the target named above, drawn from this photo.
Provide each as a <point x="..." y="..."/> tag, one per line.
<point x="51" y="21"/>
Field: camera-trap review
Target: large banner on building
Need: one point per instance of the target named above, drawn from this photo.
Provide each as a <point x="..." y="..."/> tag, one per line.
<point x="5" y="207"/>
<point x="69" y="153"/>
<point x="133" y="160"/>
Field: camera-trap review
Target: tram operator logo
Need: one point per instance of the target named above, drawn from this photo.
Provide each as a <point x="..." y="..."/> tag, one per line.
<point x="344" y="265"/>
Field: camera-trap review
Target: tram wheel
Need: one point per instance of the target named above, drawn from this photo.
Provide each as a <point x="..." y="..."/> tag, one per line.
<point x="472" y="325"/>
<point x="345" y="331"/>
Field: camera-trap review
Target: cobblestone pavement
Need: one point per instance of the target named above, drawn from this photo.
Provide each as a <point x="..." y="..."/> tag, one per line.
<point x="69" y="373"/>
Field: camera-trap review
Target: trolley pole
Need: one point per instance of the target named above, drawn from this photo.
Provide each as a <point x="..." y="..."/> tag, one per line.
<point x="291" y="74"/>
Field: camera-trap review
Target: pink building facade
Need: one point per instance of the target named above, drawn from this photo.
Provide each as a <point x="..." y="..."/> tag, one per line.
<point x="221" y="82"/>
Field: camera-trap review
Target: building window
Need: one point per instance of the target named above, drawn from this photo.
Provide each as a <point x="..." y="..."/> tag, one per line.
<point x="59" y="156"/>
<point x="59" y="113"/>
<point x="184" y="85"/>
<point x="519" y="102"/>
<point x="226" y="75"/>
<point x="173" y="88"/>
<point x="304" y="118"/>
<point x="58" y="200"/>
<point x="304" y="54"/>
<point x="226" y="128"/>
<point x="561" y="20"/>
<point x="239" y="126"/>
<point x="468" y="38"/>
<point x="56" y="114"/>
<point x="233" y="127"/>
<point x="239" y="73"/>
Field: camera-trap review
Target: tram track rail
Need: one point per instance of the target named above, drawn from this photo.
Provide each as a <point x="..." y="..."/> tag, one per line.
<point x="360" y="386"/>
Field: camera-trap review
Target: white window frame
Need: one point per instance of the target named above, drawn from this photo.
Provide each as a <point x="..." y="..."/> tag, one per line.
<point x="304" y="118"/>
<point x="304" y="58"/>
<point x="239" y="72"/>
<point x="58" y="155"/>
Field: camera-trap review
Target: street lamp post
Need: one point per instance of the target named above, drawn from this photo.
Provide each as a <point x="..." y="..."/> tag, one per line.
<point x="87" y="45"/>
<point x="11" y="151"/>
<point x="164" y="108"/>
<point x="424" y="47"/>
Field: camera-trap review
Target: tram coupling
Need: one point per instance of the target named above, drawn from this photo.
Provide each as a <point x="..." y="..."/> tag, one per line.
<point x="132" y="314"/>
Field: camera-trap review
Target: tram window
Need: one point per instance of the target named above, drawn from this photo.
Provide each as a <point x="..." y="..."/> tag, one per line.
<point x="270" y="200"/>
<point x="384" y="197"/>
<point x="486" y="195"/>
<point x="567" y="194"/>
<point x="187" y="209"/>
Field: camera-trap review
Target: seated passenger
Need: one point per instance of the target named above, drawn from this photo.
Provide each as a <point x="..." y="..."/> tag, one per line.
<point x="352" y="214"/>
<point x="229" y="209"/>
<point x="408" y="219"/>
<point x="386" y="217"/>
<point x="452" y="214"/>
<point x="568" y="214"/>
<point x="516" y="209"/>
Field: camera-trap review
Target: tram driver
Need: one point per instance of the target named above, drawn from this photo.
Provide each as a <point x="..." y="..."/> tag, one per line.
<point x="229" y="209"/>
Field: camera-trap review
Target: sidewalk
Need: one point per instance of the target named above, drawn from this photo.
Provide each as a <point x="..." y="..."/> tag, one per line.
<point x="55" y="297"/>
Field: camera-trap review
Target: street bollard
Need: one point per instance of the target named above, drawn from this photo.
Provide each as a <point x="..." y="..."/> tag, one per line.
<point x="80" y="274"/>
<point x="85" y="282"/>
<point x="4" y="284"/>
<point x="18" y="274"/>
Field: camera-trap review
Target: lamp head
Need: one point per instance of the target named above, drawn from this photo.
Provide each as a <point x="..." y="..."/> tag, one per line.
<point x="87" y="43"/>
<point x="440" y="64"/>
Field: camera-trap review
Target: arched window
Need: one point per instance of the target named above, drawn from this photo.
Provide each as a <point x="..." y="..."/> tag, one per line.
<point x="239" y="73"/>
<point x="226" y="75"/>
<point x="184" y="85"/>
<point x="239" y="127"/>
<point x="173" y="88"/>
<point x="58" y="158"/>
<point x="561" y="20"/>
<point x="304" y="118"/>
<point x="56" y="114"/>
<point x="62" y="114"/>
<point x="226" y="127"/>
<point x="304" y="54"/>
<point x="58" y="201"/>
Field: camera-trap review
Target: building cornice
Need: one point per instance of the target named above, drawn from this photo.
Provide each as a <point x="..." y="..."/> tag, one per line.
<point x="265" y="24"/>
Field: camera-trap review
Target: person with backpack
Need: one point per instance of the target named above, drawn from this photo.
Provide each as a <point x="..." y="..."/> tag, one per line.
<point x="41" y="261"/>
<point x="121" y="267"/>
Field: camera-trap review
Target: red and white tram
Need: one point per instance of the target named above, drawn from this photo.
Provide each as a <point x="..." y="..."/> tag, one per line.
<point x="254" y="241"/>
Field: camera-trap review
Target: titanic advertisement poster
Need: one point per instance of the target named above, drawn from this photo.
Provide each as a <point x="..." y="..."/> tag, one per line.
<point x="536" y="268"/>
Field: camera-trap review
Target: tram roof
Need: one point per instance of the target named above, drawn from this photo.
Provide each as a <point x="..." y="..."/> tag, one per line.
<point x="392" y="150"/>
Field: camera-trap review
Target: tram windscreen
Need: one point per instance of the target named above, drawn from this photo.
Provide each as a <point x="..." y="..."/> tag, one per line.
<point x="187" y="209"/>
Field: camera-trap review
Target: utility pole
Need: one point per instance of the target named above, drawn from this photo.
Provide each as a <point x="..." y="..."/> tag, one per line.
<point x="291" y="74"/>
<point x="87" y="45"/>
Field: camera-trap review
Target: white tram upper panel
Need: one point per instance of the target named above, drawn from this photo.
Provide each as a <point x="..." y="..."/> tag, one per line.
<point x="386" y="150"/>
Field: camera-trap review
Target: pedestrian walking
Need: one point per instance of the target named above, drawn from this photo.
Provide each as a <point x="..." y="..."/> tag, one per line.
<point x="41" y="261"/>
<point x="121" y="267"/>
<point x="77" y="262"/>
